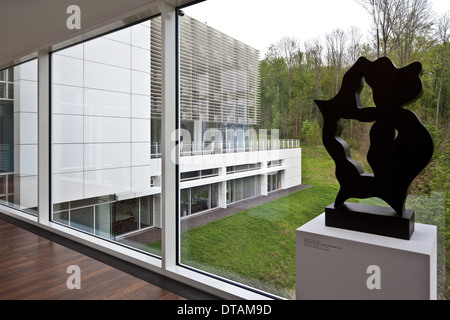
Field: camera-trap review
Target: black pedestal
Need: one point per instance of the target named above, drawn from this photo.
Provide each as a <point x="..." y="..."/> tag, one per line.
<point x="383" y="221"/>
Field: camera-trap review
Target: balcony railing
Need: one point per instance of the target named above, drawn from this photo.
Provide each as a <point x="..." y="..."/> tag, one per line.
<point x="205" y="147"/>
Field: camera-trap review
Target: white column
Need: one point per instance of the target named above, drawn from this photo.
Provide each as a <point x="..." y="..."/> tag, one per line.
<point x="197" y="136"/>
<point x="43" y="137"/>
<point x="169" y="155"/>
<point x="264" y="179"/>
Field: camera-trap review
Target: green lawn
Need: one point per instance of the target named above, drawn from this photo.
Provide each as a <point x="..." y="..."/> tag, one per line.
<point x="257" y="246"/>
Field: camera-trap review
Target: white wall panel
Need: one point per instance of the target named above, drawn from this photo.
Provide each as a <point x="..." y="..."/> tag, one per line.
<point x="105" y="129"/>
<point x="28" y="189"/>
<point x="26" y="95"/>
<point x="140" y="130"/>
<point x="67" y="99"/>
<point x="67" y="187"/>
<point x="28" y="163"/>
<point x="140" y="59"/>
<point x="67" y="129"/>
<point x="67" y="158"/>
<point x="108" y="52"/>
<point x="140" y="83"/>
<point x="140" y="36"/>
<point x="28" y="127"/>
<point x="106" y="103"/>
<point x="106" y="77"/>
<point x="140" y="154"/>
<point x="141" y="178"/>
<point x="66" y="70"/>
<point x="105" y="156"/>
<point x="103" y="182"/>
<point x="75" y="51"/>
<point x="140" y="106"/>
<point x="123" y="36"/>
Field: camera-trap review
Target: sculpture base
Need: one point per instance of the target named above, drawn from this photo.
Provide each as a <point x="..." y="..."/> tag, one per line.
<point x="334" y="263"/>
<point x="383" y="221"/>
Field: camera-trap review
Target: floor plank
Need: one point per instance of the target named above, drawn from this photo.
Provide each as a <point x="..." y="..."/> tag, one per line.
<point x="35" y="268"/>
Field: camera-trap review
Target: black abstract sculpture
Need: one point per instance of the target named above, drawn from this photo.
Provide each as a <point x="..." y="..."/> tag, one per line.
<point x="400" y="146"/>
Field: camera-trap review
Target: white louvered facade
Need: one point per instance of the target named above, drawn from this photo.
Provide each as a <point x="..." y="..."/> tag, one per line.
<point x="219" y="75"/>
<point x="155" y="67"/>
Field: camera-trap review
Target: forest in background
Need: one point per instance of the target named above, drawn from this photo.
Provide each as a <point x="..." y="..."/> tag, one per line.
<point x="294" y="74"/>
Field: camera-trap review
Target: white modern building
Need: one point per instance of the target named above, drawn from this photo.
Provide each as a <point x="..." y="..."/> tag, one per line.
<point x="90" y="148"/>
<point x="106" y="128"/>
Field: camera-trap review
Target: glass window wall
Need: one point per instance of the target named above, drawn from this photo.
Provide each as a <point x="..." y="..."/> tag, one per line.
<point x="198" y="199"/>
<point x="220" y="106"/>
<point x="18" y="137"/>
<point x="103" y="169"/>
<point x="106" y="145"/>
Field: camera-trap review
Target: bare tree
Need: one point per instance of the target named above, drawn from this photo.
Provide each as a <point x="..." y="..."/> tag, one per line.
<point x="288" y="49"/>
<point x="313" y="55"/>
<point x="412" y="29"/>
<point x="354" y="46"/>
<point x="336" y="42"/>
<point x="353" y="53"/>
<point x="443" y="34"/>
<point x="385" y="14"/>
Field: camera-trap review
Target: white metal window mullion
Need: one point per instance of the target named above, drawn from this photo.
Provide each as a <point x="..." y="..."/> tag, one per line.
<point x="43" y="137"/>
<point x="168" y="129"/>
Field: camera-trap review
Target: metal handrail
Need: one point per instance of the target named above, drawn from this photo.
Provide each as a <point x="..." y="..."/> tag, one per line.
<point x="212" y="147"/>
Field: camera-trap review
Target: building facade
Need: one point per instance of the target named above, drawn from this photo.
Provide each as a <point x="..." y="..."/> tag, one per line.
<point x="106" y="101"/>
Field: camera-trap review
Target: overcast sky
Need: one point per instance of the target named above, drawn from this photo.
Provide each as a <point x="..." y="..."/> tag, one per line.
<point x="261" y="23"/>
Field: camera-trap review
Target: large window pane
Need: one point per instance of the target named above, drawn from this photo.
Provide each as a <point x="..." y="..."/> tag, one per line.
<point x="105" y="177"/>
<point x="200" y="199"/>
<point x="18" y="137"/>
<point x="83" y="219"/>
<point x="223" y="133"/>
<point x="248" y="78"/>
<point x="227" y="130"/>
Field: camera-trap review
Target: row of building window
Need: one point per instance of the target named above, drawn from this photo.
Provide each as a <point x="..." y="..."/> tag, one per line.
<point x="106" y="217"/>
<point x="208" y="173"/>
<point x="198" y="199"/>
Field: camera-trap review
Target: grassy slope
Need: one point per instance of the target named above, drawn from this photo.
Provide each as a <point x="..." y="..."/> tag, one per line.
<point x="257" y="246"/>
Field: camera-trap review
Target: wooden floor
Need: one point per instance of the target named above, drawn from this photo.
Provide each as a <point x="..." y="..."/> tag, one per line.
<point x="35" y="267"/>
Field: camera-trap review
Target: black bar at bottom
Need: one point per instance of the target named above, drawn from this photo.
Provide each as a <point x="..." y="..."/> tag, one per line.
<point x="383" y="221"/>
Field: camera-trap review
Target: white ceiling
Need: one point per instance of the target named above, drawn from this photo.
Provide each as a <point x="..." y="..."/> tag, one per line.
<point x="27" y="26"/>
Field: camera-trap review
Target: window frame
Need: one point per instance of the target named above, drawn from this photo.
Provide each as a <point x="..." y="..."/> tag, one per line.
<point x="169" y="263"/>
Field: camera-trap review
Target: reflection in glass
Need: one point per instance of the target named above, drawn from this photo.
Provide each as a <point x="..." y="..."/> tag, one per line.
<point x="146" y="215"/>
<point x="200" y="199"/>
<point x="229" y="147"/>
<point x="126" y="216"/>
<point x="185" y="202"/>
<point x="18" y="137"/>
<point x="83" y="219"/>
<point x="103" y="220"/>
<point x="104" y="180"/>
